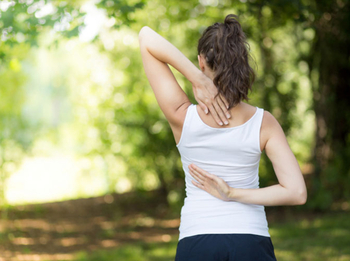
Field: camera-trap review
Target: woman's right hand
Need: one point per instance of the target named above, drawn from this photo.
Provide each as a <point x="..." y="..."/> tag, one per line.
<point x="210" y="183"/>
<point x="205" y="94"/>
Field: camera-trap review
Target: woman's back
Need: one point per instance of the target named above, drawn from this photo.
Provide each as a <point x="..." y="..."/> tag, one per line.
<point x="231" y="153"/>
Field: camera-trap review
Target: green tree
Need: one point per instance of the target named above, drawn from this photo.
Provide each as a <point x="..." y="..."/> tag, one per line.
<point x="21" y="24"/>
<point x="329" y="62"/>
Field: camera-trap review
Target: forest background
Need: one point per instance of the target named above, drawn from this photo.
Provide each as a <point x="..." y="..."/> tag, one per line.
<point x="78" y="118"/>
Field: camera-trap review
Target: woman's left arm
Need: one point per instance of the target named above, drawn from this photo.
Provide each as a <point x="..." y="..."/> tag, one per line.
<point x="157" y="53"/>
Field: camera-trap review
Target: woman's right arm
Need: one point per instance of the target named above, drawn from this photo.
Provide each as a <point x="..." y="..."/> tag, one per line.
<point x="291" y="188"/>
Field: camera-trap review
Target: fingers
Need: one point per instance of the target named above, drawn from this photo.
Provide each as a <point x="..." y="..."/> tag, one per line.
<point x="220" y="113"/>
<point x="197" y="169"/>
<point x="223" y="99"/>
<point x="200" y="179"/>
<point x="200" y="174"/>
<point x="215" y="114"/>
<point x="197" y="185"/>
<point x="224" y="106"/>
<point x="196" y="175"/>
<point x="203" y="107"/>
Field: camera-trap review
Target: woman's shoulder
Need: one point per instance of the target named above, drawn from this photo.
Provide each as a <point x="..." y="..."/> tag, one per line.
<point x="269" y="121"/>
<point x="270" y="127"/>
<point x="182" y="111"/>
<point x="179" y="119"/>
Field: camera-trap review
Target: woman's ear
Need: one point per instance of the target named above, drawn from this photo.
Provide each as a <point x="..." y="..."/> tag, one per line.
<point x="200" y="61"/>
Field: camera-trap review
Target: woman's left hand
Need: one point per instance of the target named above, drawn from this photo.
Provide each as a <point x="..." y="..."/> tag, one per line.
<point x="205" y="94"/>
<point x="210" y="183"/>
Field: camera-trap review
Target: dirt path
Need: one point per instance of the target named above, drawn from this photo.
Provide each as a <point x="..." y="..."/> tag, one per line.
<point x="55" y="231"/>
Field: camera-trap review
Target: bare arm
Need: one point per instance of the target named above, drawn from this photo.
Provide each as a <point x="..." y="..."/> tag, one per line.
<point x="157" y="53"/>
<point x="291" y="189"/>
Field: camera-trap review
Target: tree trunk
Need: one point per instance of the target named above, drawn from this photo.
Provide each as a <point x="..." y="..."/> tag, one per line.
<point x="332" y="100"/>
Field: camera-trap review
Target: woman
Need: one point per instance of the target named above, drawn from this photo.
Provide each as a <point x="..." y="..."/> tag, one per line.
<point x="223" y="217"/>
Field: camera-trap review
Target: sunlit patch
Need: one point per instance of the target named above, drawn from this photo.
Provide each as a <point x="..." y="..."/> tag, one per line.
<point x="107" y="225"/>
<point x="123" y="185"/>
<point x="39" y="257"/>
<point x="71" y="241"/>
<point x="209" y="2"/>
<point x="42" y="179"/>
<point x="145" y="221"/>
<point x="166" y="238"/>
<point x="109" y="243"/>
<point x="41" y="224"/>
<point x="5" y="4"/>
<point x="169" y="223"/>
<point x="45" y="10"/>
<point x="23" y="241"/>
<point x="157" y="238"/>
<point x="94" y="20"/>
<point x="128" y="39"/>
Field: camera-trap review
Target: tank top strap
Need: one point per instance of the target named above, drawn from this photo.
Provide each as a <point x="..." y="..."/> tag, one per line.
<point x="188" y="119"/>
<point x="258" y="118"/>
<point x="255" y="126"/>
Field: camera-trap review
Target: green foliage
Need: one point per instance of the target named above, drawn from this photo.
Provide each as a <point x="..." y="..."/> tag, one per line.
<point x="128" y="136"/>
<point x="122" y="9"/>
<point x="23" y="21"/>
<point x="21" y="24"/>
<point x="15" y="132"/>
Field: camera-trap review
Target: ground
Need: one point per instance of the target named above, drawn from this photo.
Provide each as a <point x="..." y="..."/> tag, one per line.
<point x="143" y="222"/>
<point x="55" y="231"/>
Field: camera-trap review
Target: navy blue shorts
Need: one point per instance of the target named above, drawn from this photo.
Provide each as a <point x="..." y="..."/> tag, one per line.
<point x="225" y="247"/>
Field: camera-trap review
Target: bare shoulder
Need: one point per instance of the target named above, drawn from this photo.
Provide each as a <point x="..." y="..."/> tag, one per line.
<point x="178" y="120"/>
<point x="270" y="127"/>
<point x="180" y="113"/>
<point x="269" y="121"/>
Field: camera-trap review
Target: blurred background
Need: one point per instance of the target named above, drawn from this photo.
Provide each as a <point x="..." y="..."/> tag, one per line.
<point x="88" y="164"/>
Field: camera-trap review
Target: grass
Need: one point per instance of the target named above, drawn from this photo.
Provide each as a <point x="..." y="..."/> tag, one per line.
<point x="323" y="238"/>
<point x="134" y="252"/>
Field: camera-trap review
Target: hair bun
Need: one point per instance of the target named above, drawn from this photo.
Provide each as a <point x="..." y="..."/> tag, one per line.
<point x="233" y="28"/>
<point x="231" y="19"/>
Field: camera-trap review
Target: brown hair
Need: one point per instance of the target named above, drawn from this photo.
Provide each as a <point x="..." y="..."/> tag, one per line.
<point x="226" y="51"/>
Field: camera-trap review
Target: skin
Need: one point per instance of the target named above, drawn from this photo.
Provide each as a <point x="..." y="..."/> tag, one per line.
<point x="157" y="53"/>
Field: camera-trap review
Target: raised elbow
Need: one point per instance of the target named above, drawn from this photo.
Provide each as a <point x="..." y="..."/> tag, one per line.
<point x="143" y="33"/>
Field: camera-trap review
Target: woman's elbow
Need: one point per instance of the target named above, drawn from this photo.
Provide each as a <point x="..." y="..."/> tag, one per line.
<point x="300" y="197"/>
<point x="143" y="33"/>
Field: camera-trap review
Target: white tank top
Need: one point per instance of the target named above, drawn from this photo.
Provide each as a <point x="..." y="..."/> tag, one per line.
<point x="232" y="154"/>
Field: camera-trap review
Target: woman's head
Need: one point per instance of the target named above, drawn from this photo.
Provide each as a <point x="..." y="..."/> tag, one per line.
<point x="225" y="50"/>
